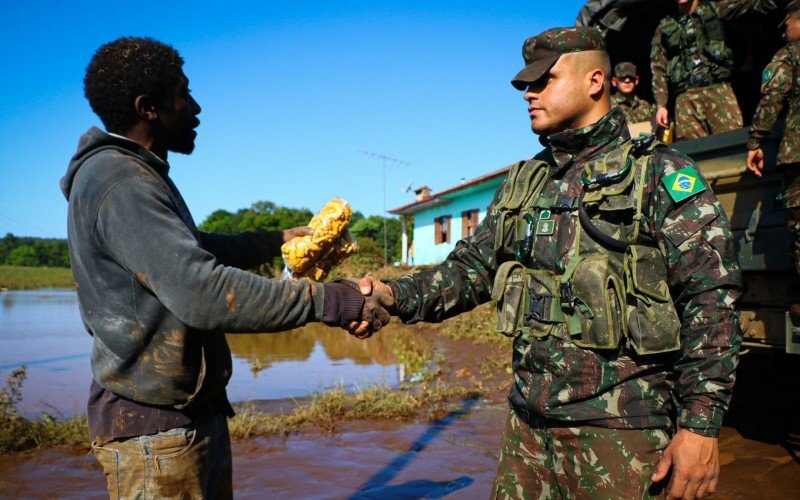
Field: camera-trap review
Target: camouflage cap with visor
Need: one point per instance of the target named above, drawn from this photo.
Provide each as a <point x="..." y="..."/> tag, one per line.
<point x="625" y="68"/>
<point x="543" y="50"/>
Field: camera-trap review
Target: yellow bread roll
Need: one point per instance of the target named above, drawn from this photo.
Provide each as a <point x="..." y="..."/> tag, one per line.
<point x="303" y="253"/>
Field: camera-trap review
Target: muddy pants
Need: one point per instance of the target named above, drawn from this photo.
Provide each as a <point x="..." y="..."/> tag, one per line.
<point x="706" y="110"/>
<point x="577" y="462"/>
<point x="186" y="462"/>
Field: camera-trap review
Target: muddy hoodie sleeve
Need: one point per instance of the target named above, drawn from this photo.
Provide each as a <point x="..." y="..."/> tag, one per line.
<point x="705" y="281"/>
<point x="159" y="250"/>
<point x="461" y="282"/>
<point x="244" y="250"/>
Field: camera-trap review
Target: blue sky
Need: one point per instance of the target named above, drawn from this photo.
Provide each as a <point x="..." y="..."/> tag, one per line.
<point x="292" y="94"/>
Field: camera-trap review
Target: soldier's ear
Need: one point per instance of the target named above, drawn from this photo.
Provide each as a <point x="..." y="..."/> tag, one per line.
<point x="596" y="79"/>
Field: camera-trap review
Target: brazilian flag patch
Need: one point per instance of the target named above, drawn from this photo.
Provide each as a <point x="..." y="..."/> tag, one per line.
<point x="684" y="183"/>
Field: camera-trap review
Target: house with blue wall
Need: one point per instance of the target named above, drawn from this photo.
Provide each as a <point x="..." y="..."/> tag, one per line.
<point x="444" y="217"/>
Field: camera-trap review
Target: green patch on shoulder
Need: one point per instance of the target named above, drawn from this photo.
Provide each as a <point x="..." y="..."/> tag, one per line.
<point x="766" y="75"/>
<point x="683" y="184"/>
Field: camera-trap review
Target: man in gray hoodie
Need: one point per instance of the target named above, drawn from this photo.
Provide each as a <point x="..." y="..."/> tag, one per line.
<point x="157" y="295"/>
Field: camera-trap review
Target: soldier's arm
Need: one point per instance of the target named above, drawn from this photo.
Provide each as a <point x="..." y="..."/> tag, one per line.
<point x="776" y="82"/>
<point x="658" y="66"/>
<point x="705" y="282"/>
<point x="731" y="9"/>
<point x="461" y="282"/>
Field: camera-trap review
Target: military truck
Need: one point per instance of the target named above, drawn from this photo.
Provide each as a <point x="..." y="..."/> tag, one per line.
<point x="756" y="211"/>
<point x="753" y="204"/>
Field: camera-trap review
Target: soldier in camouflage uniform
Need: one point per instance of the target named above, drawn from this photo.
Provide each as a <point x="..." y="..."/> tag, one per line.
<point x="692" y="63"/>
<point x="780" y="89"/>
<point x="614" y="270"/>
<point x="625" y="81"/>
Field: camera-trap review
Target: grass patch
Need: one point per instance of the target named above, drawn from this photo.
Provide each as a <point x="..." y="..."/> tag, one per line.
<point x="327" y="410"/>
<point x="29" y="278"/>
<point x="18" y="433"/>
<point x="477" y="325"/>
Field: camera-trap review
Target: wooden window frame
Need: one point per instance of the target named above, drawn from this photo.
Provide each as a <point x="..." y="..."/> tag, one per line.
<point x="441" y="229"/>
<point x="469" y="222"/>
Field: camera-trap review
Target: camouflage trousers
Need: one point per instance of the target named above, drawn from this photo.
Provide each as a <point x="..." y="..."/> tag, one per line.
<point x="577" y="462"/>
<point x="186" y="462"/>
<point x="705" y="111"/>
<point x="791" y="200"/>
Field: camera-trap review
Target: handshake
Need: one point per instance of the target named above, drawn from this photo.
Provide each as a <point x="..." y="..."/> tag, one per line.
<point x="362" y="308"/>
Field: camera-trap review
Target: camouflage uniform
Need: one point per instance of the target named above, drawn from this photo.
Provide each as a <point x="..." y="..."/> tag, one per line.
<point x="559" y="384"/>
<point x="692" y="62"/>
<point x="780" y="88"/>
<point x="636" y="109"/>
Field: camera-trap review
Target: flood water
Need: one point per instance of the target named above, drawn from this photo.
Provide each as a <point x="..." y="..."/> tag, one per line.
<point x="42" y="330"/>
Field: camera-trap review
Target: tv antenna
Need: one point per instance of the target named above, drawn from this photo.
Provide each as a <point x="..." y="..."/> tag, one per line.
<point x="384" y="158"/>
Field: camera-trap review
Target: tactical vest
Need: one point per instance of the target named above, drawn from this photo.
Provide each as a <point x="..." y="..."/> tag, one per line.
<point x="696" y="59"/>
<point x="615" y="285"/>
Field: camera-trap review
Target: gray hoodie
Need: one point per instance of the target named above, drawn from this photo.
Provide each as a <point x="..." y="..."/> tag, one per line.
<point x="157" y="294"/>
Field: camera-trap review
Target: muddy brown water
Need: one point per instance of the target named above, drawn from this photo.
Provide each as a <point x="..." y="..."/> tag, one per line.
<point x="454" y="457"/>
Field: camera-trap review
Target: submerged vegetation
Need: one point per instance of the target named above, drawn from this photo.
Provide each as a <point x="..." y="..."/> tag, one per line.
<point x="18" y="433"/>
<point x="329" y="409"/>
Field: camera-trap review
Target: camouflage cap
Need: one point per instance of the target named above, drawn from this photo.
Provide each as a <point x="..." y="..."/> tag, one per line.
<point x="792" y="6"/>
<point x="624" y="69"/>
<point x="543" y="50"/>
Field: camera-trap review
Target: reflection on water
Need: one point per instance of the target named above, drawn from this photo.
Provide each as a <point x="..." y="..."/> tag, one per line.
<point x="43" y="330"/>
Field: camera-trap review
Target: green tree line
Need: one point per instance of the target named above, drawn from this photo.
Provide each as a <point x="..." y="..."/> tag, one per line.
<point x="30" y="251"/>
<point x="368" y="232"/>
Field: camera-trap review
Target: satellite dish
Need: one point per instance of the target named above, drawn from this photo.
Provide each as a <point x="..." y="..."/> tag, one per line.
<point x="408" y="188"/>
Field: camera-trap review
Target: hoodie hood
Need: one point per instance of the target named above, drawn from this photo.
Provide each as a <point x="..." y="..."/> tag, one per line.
<point x="94" y="141"/>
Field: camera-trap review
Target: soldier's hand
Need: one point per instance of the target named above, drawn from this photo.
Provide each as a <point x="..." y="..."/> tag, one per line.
<point x="755" y="161"/>
<point x="378" y="304"/>
<point x="694" y="460"/>
<point x="294" y="232"/>
<point x="662" y="117"/>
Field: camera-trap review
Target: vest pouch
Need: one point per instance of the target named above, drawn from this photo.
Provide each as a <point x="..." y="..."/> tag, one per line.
<point x="508" y="293"/>
<point x="598" y="305"/>
<point x="653" y="323"/>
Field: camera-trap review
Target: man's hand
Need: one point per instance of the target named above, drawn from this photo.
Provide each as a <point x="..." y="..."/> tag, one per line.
<point x="694" y="460"/>
<point x="378" y="305"/>
<point x="294" y="232"/>
<point x="662" y="117"/>
<point x="755" y="161"/>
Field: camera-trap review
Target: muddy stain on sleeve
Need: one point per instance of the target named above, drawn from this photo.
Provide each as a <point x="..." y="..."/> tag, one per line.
<point x="230" y="299"/>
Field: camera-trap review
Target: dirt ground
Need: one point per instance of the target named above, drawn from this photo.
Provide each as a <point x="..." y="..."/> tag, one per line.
<point x="453" y="457"/>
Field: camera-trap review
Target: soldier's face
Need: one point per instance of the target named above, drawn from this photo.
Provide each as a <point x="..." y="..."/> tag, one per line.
<point x="625" y="85"/>
<point x="791" y="31"/>
<point x="556" y="101"/>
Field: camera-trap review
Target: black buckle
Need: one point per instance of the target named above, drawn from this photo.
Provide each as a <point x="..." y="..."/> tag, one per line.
<point x="567" y="299"/>
<point x="540" y="307"/>
<point x="563" y="203"/>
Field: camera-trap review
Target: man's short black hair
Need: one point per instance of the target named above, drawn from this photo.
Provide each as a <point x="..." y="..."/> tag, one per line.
<point x="125" y="68"/>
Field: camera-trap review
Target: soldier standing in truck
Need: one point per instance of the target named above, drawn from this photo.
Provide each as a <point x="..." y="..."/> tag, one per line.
<point x="692" y="63"/>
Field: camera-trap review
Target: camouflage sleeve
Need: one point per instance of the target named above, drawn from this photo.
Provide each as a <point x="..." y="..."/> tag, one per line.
<point x="776" y="83"/>
<point x="658" y="66"/>
<point x="731" y="9"/>
<point x="461" y="282"/>
<point x="705" y="281"/>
